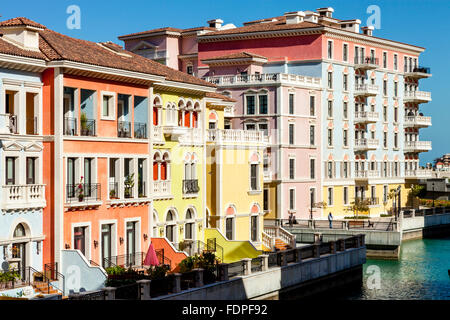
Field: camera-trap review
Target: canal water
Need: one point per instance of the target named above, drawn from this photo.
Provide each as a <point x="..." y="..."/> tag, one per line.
<point x="420" y="273"/>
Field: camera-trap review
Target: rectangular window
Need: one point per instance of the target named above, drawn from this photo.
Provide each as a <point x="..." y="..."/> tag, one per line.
<point x="266" y="200"/>
<point x="108" y="107"/>
<point x="190" y="70"/>
<point x="31" y="171"/>
<point x="345" y="195"/>
<point x="385" y="60"/>
<point x="385" y="113"/>
<point x="291" y="133"/>
<point x="254" y="177"/>
<point x="395" y="140"/>
<point x="229" y="228"/>
<point x="291" y="103"/>
<point x="330" y="137"/>
<point x="330" y="196"/>
<point x="312" y="135"/>
<point x="385" y="139"/>
<point x="395" y="114"/>
<point x="330" y="80"/>
<point x="248" y="126"/>
<point x="345" y="52"/>
<point x="254" y="228"/>
<point x="262" y="104"/>
<point x="385" y="194"/>
<point x="330" y="108"/>
<point x="292" y="199"/>
<point x="385" y="87"/>
<point x="345" y="169"/>
<point x="345" y="82"/>
<point x="10" y="170"/>
<point x="395" y="89"/>
<point x="291" y="169"/>
<point x="312" y="168"/>
<point x="345" y="110"/>
<point x="312" y="105"/>
<point x="345" y="137"/>
<point x="373" y="193"/>
<point x="263" y="127"/>
<point x="330" y="49"/>
<point x="395" y="62"/>
<point x="330" y="169"/>
<point x="250" y="100"/>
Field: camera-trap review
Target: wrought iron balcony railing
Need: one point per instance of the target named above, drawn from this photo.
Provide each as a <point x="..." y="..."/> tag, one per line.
<point x="190" y="186"/>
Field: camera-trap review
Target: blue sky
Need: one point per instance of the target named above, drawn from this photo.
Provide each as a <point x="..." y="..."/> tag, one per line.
<point x="418" y="22"/>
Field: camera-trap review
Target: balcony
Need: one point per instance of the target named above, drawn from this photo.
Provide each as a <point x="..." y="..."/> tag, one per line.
<point x="366" y="117"/>
<point x="373" y="201"/>
<point x="70" y="126"/>
<point x="8" y="123"/>
<point x="264" y="79"/>
<point x="87" y="128"/>
<point x="192" y="136"/>
<point x="417" y="146"/>
<point x="366" y="63"/>
<point x="23" y="196"/>
<point x="419" y="174"/>
<point x="158" y="136"/>
<point x="161" y="189"/>
<point x="417" y="121"/>
<point x="236" y="136"/>
<point x="366" y="174"/>
<point x="83" y="195"/>
<point x="366" y="144"/>
<point x="417" y="96"/>
<point x="418" y="73"/>
<point x="140" y="130"/>
<point x="190" y="187"/>
<point x="124" y="129"/>
<point x="366" y="90"/>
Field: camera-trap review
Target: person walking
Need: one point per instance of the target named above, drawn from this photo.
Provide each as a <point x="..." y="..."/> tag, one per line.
<point x="330" y="220"/>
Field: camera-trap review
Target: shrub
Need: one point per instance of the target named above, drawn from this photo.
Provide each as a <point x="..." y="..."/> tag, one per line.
<point x="157" y="272"/>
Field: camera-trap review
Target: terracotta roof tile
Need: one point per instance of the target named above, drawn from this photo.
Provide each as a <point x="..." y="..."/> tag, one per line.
<point x="150" y="32"/>
<point x="21" y="21"/>
<point x="238" y="55"/>
<point x="8" y="48"/>
<point x="219" y="96"/>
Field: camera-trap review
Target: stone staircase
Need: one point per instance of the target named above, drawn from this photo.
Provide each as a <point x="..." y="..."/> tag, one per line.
<point x="277" y="238"/>
<point x="281" y="245"/>
<point x="44" y="288"/>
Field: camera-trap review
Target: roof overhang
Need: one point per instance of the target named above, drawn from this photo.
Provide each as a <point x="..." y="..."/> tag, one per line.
<point x="235" y="61"/>
<point x="150" y="34"/>
<point x="82" y="69"/>
<point x="183" y="87"/>
<point x="9" y="61"/>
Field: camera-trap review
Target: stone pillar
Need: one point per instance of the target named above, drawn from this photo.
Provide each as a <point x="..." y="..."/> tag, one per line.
<point x="247" y="266"/>
<point x="316" y="250"/>
<point x="264" y="262"/>
<point x="110" y="293"/>
<point x="198" y="276"/>
<point x="311" y="224"/>
<point x="223" y="272"/>
<point x="283" y="258"/>
<point x="144" y="289"/>
<point x="298" y="255"/>
<point x="317" y="237"/>
<point x="413" y="213"/>
<point x="333" y="247"/>
<point x="342" y="245"/>
<point x="176" y="283"/>
<point x="345" y="225"/>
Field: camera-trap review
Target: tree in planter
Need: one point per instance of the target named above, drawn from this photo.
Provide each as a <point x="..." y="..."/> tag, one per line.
<point x="417" y="191"/>
<point x="83" y="122"/>
<point x="129" y="185"/>
<point x="359" y="205"/>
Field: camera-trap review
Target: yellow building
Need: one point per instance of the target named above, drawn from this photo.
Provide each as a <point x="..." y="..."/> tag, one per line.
<point x="234" y="180"/>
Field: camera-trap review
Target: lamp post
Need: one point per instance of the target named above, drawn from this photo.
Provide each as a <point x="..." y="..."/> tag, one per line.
<point x="433" y="193"/>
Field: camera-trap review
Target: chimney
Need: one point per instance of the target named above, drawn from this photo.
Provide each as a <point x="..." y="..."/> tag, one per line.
<point x="311" y="16"/>
<point x="351" y="25"/>
<point x="368" y="30"/>
<point x="215" y="23"/>
<point x="326" y="12"/>
<point x="294" y="17"/>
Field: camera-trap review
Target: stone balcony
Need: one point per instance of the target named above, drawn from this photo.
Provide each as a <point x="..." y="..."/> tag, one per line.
<point x="366" y="144"/>
<point x="17" y="197"/>
<point x="418" y="73"/>
<point x="417" y="121"/>
<point x="419" y="174"/>
<point x="366" y="90"/>
<point x="158" y="136"/>
<point x="236" y="136"/>
<point x="264" y="79"/>
<point x="366" y="117"/>
<point x="366" y="174"/>
<point x="417" y="146"/>
<point x="366" y="63"/>
<point x="417" y="96"/>
<point x="162" y="189"/>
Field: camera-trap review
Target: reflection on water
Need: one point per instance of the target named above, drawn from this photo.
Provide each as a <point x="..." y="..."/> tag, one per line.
<point x="420" y="273"/>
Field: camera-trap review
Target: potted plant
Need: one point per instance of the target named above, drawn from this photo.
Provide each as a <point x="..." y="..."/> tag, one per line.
<point x="83" y="122"/>
<point x="129" y="185"/>
<point x="80" y="190"/>
<point x="112" y="194"/>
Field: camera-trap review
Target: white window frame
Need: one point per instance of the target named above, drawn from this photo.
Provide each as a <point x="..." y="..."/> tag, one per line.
<point x="111" y="106"/>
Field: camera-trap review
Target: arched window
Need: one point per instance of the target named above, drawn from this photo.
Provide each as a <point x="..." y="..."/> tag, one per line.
<point x="189" y="225"/>
<point x="170" y="226"/>
<point x="156" y="162"/>
<point x="19" y="231"/>
<point x="157" y="103"/>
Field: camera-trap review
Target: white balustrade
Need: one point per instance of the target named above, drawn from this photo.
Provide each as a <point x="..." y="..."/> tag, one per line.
<point x="161" y="188"/>
<point x="265" y="78"/>
<point x="236" y="136"/>
<point x="23" y="196"/>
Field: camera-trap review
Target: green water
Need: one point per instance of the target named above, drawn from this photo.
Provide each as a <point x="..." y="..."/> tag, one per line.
<point x="420" y="273"/>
